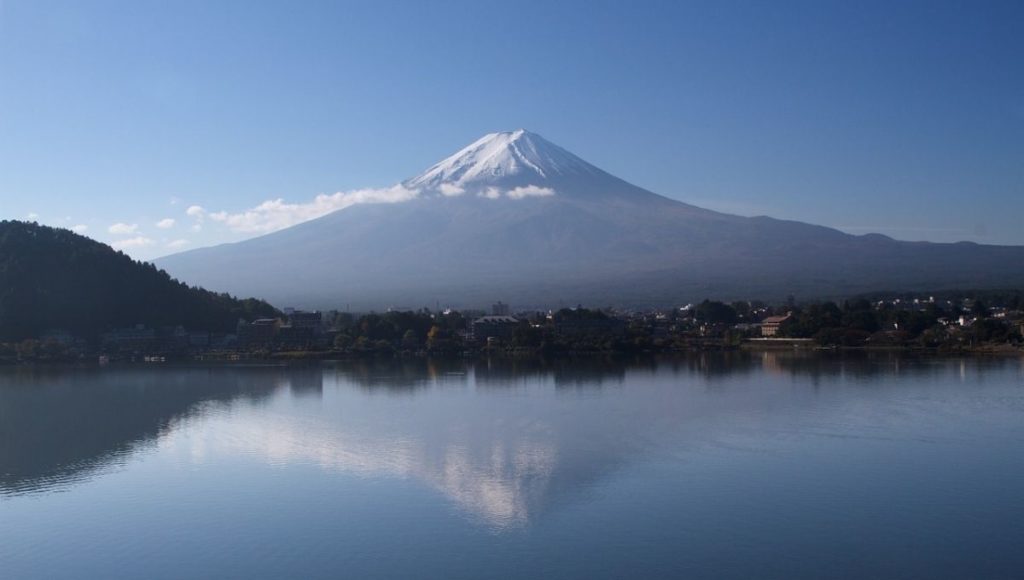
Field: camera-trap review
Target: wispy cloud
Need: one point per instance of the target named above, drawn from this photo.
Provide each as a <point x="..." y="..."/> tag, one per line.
<point x="80" y="228"/>
<point x="122" y="229"/>
<point x="529" y="191"/>
<point x="132" y="243"/>
<point x="451" y="190"/>
<point x="165" y="224"/>
<point x="198" y="214"/>
<point x="517" y="192"/>
<point x="276" y="214"/>
<point x="176" y="244"/>
<point x="32" y="216"/>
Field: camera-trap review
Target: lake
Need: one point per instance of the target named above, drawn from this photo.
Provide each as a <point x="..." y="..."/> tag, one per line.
<point x="734" y="465"/>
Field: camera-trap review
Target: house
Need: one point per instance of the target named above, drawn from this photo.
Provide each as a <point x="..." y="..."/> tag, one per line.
<point x="497" y="327"/>
<point x="770" y="326"/>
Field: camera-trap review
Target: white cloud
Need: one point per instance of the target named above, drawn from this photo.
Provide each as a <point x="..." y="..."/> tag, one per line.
<point x="451" y="190"/>
<point x="175" y="200"/>
<point x="195" y="211"/>
<point x="175" y="244"/>
<point x="517" y="193"/>
<point x="276" y="214"/>
<point x="136" y="242"/>
<point x="529" y="191"/>
<point x="80" y="228"/>
<point x="32" y="216"/>
<point x="122" y="229"/>
<point x="165" y="224"/>
<point x="197" y="228"/>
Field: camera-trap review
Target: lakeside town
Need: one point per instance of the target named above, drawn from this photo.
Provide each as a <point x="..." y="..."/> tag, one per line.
<point x="921" y="323"/>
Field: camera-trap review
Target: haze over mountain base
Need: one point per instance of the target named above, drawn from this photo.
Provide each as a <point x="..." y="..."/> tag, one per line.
<point x="517" y="218"/>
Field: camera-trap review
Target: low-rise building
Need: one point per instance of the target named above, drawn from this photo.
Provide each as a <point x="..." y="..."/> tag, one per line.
<point x="295" y="337"/>
<point x="497" y="327"/>
<point x="59" y="336"/>
<point x="580" y="326"/>
<point x="770" y="326"/>
<point x="303" y="319"/>
<point x="199" y="339"/>
<point x="258" y="334"/>
<point x="134" y="339"/>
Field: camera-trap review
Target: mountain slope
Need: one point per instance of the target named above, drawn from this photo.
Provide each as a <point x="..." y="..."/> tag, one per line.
<point x="52" y="278"/>
<point x="515" y="217"/>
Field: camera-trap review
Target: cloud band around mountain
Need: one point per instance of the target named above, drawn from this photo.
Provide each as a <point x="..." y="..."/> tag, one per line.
<point x="277" y="214"/>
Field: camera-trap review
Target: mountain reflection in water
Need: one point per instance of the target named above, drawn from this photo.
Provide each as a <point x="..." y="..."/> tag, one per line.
<point x="505" y="440"/>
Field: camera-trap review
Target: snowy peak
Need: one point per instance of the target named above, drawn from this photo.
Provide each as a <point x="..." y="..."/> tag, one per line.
<point x="504" y="160"/>
<point x="519" y="164"/>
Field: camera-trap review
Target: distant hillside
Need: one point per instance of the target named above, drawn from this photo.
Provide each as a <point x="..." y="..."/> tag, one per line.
<point x="53" y="278"/>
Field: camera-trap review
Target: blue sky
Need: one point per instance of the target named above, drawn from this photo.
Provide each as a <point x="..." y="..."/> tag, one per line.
<point x="905" y="118"/>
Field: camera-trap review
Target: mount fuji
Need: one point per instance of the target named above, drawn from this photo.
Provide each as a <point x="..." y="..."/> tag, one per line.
<point x="515" y="217"/>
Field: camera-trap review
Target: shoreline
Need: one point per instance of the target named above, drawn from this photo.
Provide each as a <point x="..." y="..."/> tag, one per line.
<point x="285" y="357"/>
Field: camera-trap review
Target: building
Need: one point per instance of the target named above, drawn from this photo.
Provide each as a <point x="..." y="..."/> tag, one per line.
<point x="134" y="339"/>
<point x="260" y="333"/>
<point x="303" y="319"/>
<point x="589" y="325"/>
<point x="172" y="338"/>
<point x="295" y="337"/>
<point x="59" y="336"/>
<point x="199" y="339"/>
<point x="497" y="327"/>
<point x="770" y="326"/>
<point x="500" y="309"/>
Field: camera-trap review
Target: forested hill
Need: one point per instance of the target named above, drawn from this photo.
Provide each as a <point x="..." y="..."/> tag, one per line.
<point x="55" y="279"/>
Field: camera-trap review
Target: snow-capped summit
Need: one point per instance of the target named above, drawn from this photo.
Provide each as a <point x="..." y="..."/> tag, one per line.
<point x="504" y="160"/>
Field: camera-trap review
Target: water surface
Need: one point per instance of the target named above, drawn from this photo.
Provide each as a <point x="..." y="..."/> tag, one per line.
<point x="717" y="466"/>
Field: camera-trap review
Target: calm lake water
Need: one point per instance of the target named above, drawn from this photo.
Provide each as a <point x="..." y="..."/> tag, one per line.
<point x="723" y="466"/>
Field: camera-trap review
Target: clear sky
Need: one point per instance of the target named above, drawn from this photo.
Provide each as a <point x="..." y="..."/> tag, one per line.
<point x="905" y="118"/>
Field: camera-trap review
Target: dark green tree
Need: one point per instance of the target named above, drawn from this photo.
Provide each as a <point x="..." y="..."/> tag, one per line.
<point x="712" y="312"/>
